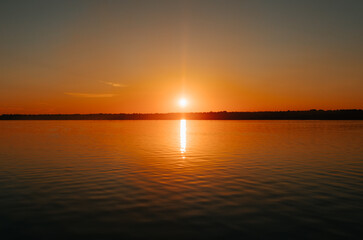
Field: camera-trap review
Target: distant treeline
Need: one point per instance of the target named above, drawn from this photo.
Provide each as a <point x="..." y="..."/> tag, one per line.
<point x="347" y="114"/>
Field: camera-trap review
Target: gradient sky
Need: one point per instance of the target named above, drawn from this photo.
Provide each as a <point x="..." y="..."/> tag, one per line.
<point x="142" y="56"/>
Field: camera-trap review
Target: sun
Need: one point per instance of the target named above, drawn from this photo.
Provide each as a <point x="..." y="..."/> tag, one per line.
<point x="183" y="102"/>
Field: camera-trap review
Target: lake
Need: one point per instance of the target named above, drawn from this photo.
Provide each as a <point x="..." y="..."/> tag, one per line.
<point x="184" y="179"/>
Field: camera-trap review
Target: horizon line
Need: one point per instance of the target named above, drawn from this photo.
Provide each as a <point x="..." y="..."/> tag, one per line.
<point x="222" y="111"/>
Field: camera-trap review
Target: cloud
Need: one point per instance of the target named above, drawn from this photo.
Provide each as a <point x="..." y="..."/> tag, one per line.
<point x="113" y="84"/>
<point x="90" y="95"/>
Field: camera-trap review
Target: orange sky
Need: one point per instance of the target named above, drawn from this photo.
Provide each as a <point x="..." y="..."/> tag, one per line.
<point x="92" y="57"/>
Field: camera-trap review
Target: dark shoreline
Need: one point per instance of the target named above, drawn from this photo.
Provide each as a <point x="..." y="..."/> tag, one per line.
<point x="346" y="114"/>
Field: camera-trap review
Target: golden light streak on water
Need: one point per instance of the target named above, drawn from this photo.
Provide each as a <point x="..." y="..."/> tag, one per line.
<point x="183" y="135"/>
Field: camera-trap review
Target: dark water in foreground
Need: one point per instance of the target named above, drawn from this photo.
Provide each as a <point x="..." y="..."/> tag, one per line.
<point x="181" y="180"/>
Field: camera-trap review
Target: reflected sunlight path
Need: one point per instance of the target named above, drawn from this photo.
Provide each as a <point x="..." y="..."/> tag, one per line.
<point x="183" y="135"/>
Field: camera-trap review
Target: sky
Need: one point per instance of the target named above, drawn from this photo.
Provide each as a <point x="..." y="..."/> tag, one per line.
<point x="143" y="56"/>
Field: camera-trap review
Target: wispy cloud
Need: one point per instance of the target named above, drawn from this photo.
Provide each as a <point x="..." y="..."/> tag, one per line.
<point x="90" y="95"/>
<point x="114" y="84"/>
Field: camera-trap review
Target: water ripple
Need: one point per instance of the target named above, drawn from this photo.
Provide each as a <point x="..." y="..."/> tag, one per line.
<point x="181" y="180"/>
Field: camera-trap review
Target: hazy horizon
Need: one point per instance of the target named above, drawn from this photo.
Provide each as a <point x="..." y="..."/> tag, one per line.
<point x="181" y="112"/>
<point x="143" y="56"/>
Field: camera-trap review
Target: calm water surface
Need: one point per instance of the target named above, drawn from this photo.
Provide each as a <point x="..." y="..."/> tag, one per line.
<point x="181" y="179"/>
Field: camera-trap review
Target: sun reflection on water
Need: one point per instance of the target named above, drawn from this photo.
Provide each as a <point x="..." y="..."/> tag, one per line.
<point x="183" y="135"/>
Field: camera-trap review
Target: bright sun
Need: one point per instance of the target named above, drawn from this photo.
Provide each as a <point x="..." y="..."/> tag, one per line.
<point x="183" y="102"/>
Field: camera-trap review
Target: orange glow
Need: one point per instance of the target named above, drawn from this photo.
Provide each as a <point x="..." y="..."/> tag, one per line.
<point x="100" y="64"/>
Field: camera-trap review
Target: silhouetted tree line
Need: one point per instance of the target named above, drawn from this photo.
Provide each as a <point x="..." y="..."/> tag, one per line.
<point x="346" y="114"/>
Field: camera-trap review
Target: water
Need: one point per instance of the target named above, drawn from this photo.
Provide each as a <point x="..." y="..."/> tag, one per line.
<point x="181" y="179"/>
